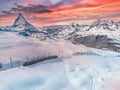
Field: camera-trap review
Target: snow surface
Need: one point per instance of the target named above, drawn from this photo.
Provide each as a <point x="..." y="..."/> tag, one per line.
<point x="73" y="73"/>
<point x="19" y="47"/>
<point x="77" y="68"/>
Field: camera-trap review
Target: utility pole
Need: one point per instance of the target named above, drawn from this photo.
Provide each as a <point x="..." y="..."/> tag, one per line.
<point x="11" y="62"/>
<point x="18" y="64"/>
<point x="33" y="58"/>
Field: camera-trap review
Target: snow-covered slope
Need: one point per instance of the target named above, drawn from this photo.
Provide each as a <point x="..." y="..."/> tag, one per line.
<point x="77" y="68"/>
<point x="91" y="34"/>
<point x="19" y="47"/>
<point x="79" y="72"/>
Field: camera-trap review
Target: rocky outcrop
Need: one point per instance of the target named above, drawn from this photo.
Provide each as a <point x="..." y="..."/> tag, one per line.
<point x="98" y="41"/>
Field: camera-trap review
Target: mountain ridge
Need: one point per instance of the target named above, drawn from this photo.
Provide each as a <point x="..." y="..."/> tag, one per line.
<point x="20" y="25"/>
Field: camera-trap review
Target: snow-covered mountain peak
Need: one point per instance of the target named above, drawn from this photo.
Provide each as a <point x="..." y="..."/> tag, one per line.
<point x="20" y="20"/>
<point x="22" y="25"/>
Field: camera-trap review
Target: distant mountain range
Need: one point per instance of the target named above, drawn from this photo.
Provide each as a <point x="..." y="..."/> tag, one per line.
<point x="66" y="31"/>
<point x="102" y="34"/>
<point x="22" y="26"/>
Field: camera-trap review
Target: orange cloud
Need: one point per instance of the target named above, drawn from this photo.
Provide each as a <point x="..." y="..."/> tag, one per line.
<point x="75" y="11"/>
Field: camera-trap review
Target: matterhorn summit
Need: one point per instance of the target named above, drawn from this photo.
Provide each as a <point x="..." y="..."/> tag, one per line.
<point x="20" y="20"/>
<point x="21" y="24"/>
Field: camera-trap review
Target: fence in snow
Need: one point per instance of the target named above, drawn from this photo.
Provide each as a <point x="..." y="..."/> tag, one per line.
<point x="29" y="61"/>
<point x="33" y="60"/>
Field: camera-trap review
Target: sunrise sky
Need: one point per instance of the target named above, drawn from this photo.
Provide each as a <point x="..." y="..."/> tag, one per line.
<point x="52" y="12"/>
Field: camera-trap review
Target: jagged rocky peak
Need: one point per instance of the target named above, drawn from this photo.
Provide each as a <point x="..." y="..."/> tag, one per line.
<point x="104" y="22"/>
<point x="20" y="20"/>
<point x="21" y="24"/>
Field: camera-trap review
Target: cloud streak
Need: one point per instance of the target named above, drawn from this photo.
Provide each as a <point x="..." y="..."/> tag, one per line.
<point x="28" y="9"/>
<point x="44" y="12"/>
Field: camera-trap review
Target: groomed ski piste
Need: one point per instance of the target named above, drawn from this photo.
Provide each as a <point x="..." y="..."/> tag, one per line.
<point x="77" y="68"/>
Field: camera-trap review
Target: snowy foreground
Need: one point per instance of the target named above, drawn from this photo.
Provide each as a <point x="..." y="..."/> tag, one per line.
<point x="78" y="67"/>
<point x="75" y="73"/>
